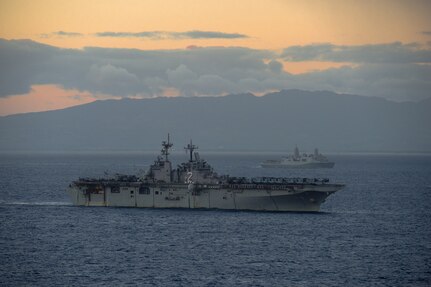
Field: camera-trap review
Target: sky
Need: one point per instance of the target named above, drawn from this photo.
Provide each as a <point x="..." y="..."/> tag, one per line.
<point x="57" y="54"/>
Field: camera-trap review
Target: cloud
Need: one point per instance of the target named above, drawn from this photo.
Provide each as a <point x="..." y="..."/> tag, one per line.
<point x="151" y="35"/>
<point x="62" y="34"/>
<point x="378" y="53"/>
<point x="158" y="35"/>
<point x="428" y="33"/>
<point x="113" y="80"/>
<point x="275" y="66"/>
<point x="68" y="34"/>
<point x="107" y="72"/>
<point x="398" y="81"/>
<point x="128" y="72"/>
<point x="210" y="35"/>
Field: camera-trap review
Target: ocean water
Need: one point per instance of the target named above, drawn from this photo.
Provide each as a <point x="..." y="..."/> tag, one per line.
<point x="375" y="232"/>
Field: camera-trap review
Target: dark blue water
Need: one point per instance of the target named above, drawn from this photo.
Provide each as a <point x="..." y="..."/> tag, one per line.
<point x="376" y="232"/>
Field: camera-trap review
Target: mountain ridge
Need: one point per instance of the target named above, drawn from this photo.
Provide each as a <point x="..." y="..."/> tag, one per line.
<point x="275" y="121"/>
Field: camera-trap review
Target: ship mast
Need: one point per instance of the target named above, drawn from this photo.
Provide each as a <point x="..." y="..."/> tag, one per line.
<point x="191" y="147"/>
<point x="166" y="146"/>
<point x="296" y="154"/>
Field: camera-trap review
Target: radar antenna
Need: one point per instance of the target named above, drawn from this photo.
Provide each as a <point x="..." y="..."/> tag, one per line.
<point x="166" y="146"/>
<point x="191" y="147"/>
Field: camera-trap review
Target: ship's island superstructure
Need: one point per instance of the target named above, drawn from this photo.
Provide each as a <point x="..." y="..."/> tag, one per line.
<point x="194" y="184"/>
<point x="297" y="160"/>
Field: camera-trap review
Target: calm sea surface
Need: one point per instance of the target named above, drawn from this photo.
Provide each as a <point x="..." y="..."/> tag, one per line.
<point x="375" y="232"/>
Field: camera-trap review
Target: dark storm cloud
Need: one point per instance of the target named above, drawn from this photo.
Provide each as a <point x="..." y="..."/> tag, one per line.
<point x="199" y="71"/>
<point x="173" y="35"/>
<point x="379" y="53"/>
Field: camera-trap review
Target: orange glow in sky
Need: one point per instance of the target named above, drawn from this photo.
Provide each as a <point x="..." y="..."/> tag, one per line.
<point x="42" y="98"/>
<point x="269" y="24"/>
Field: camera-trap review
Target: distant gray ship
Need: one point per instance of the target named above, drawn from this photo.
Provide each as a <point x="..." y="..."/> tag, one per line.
<point x="314" y="160"/>
<point x="194" y="184"/>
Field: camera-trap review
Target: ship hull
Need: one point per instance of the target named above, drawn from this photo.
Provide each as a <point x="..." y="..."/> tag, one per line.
<point x="299" y="198"/>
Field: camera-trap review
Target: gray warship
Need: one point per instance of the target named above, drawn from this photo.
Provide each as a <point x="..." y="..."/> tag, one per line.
<point x="312" y="160"/>
<point x="194" y="184"/>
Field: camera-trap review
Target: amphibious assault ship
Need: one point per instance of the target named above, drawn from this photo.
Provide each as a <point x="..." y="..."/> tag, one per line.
<point x="194" y="184"/>
<point x="314" y="160"/>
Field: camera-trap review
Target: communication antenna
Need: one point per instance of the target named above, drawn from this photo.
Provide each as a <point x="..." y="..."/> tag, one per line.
<point x="166" y="146"/>
<point x="191" y="147"/>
